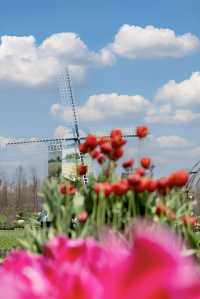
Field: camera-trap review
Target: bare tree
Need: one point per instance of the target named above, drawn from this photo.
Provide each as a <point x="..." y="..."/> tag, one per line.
<point x="34" y="187"/>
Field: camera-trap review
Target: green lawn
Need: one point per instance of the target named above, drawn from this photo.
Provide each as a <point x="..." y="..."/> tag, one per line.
<point x="8" y="239"/>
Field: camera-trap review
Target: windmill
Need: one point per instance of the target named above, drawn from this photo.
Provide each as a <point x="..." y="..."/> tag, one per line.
<point x="193" y="185"/>
<point x="60" y="144"/>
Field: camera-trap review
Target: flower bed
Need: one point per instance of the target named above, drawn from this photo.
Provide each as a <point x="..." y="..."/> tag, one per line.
<point x="108" y="233"/>
<point x="110" y="201"/>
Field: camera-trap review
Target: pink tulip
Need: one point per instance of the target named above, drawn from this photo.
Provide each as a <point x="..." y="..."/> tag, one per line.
<point x="151" y="268"/>
<point x="154" y="270"/>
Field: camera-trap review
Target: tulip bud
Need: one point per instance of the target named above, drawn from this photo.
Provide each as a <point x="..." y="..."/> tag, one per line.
<point x="82" y="169"/>
<point x="106" y="148"/>
<point x="141" y="132"/>
<point x="145" y="162"/>
<point x="91" y="142"/>
<point x="83" y="148"/>
<point x="128" y="163"/>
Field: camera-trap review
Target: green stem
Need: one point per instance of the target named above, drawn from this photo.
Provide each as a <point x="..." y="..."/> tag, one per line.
<point x="94" y="209"/>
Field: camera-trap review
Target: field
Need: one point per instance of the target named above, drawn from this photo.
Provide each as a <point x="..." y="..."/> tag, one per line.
<point x="8" y="240"/>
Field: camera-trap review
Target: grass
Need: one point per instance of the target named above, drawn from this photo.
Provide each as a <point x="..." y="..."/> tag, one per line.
<point x="9" y="240"/>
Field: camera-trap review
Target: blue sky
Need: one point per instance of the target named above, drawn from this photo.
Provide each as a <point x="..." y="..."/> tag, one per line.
<point x="139" y="61"/>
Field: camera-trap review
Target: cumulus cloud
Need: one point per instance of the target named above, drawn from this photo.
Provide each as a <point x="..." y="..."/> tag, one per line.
<point x="25" y="62"/>
<point x="107" y="106"/>
<point x="167" y="114"/>
<point x="150" y="42"/>
<point x="104" y="106"/>
<point x="176" y="102"/>
<point x="186" y="116"/>
<point x="182" y="94"/>
<point x="172" y="142"/>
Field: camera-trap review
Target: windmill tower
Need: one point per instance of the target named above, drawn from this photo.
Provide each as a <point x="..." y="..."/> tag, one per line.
<point x="66" y="95"/>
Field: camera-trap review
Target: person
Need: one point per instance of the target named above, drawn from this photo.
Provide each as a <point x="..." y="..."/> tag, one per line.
<point x="44" y="219"/>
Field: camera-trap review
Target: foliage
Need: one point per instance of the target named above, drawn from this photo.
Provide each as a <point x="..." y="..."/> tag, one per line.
<point x="3" y="219"/>
<point x="9" y="239"/>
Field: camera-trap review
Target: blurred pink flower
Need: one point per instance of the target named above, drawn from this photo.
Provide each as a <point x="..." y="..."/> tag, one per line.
<point x="151" y="268"/>
<point x="154" y="270"/>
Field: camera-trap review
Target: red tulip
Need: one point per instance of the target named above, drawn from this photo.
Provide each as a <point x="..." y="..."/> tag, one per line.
<point x="91" y="141"/>
<point x="116" y="133"/>
<point x="121" y="187"/>
<point x="82" y="169"/>
<point x="117" y="139"/>
<point x="145" y="162"/>
<point x="63" y="189"/>
<point x="102" y="140"/>
<point x="118" y="142"/>
<point x="83" y="148"/>
<point x="128" y="163"/>
<point x="106" y="188"/>
<point x="140" y="171"/>
<point x="179" y="178"/>
<point x="163" y="182"/>
<point x="189" y="220"/>
<point x="134" y="179"/>
<point x="152" y="185"/>
<point x="98" y="187"/>
<point x="95" y="154"/>
<point x="101" y="159"/>
<point x="161" y="209"/>
<point x="67" y="189"/>
<point x="117" y="154"/>
<point x="106" y="148"/>
<point x="142" y="185"/>
<point x="82" y="217"/>
<point x="141" y="132"/>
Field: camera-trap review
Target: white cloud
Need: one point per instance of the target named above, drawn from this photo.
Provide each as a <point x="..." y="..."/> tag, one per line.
<point x="167" y="114"/>
<point x="137" y="42"/>
<point x="183" y="94"/>
<point x="25" y="62"/>
<point x="172" y="142"/>
<point x="104" y="106"/>
<point x="186" y="116"/>
<point x="176" y="103"/>
<point x="57" y="109"/>
<point x="63" y="132"/>
<point x="104" y="57"/>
